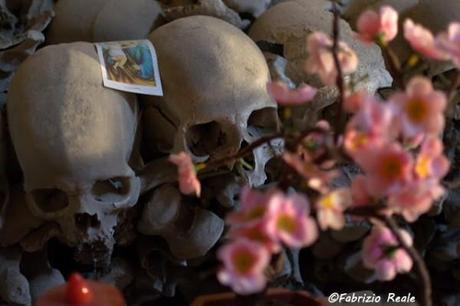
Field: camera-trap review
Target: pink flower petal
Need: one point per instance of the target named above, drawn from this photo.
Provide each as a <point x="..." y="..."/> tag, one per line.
<point x="422" y="40"/>
<point x="188" y="181"/>
<point x="286" y="96"/>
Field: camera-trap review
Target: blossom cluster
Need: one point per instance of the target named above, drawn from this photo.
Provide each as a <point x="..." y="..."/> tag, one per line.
<point x="265" y="222"/>
<point x="397" y="144"/>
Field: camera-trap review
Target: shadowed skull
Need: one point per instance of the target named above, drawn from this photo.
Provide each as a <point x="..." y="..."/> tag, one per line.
<point x="215" y="98"/>
<point x="74" y="138"/>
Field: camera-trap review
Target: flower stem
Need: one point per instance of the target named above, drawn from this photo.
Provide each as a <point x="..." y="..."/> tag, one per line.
<point x="340" y="125"/>
<point x="243" y="152"/>
<point x="418" y="261"/>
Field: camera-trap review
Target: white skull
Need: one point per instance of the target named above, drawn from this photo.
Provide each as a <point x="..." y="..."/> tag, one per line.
<point x="74" y="138"/>
<point x="103" y="20"/>
<point x="215" y="96"/>
<point x="290" y="22"/>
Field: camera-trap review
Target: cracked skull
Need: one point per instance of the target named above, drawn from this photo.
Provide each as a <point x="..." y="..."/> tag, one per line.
<point x="215" y="99"/>
<point x="74" y="138"/>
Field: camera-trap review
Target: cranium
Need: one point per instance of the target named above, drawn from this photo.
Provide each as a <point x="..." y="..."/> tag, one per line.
<point x="73" y="139"/>
<point x="215" y="96"/>
<point x="103" y="20"/>
<point x="290" y="22"/>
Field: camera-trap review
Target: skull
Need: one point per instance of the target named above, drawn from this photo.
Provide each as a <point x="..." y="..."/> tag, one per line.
<point x="103" y="20"/>
<point x="289" y="23"/>
<point x="215" y="98"/>
<point x="74" y="138"/>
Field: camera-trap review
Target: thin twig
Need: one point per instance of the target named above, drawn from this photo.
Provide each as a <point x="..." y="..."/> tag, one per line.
<point x="393" y="64"/>
<point x="420" y="266"/>
<point x="340" y="126"/>
<point x="452" y="92"/>
<point x="243" y="152"/>
<point x="373" y="211"/>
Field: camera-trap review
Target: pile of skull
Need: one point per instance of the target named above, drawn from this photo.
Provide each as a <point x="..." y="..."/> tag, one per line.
<point x="88" y="166"/>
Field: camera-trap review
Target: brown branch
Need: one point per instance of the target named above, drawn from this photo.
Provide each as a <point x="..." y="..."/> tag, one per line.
<point x="425" y="281"/>
<point x="452" y="92"/>
<point x="340" y="125"/>
<point x="393" y="64"/>
<point x="372" y="211"/>
<point x="243" y="152"/>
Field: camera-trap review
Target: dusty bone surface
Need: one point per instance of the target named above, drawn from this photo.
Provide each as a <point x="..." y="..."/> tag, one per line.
<point x="286" y="24"/>
<point x="210" y="120"/>
<point x="74" y="138"/>
<point x="14" y="286"/>
<point x="214" y="8"/>
<point x="103" y="20"/>
<point x="189" y="231"/>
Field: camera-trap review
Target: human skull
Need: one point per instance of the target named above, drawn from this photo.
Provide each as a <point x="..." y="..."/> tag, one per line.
<point x="215" y="96"/>
<point x="73" y="138"/>
<point x="290" y="22"/>
<point x="103" y="20"/>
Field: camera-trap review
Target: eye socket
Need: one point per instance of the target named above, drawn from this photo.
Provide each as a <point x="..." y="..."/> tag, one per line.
<point x="263" y="122"/>
<point x="203" y="139"/>
<point x="50" y="200"/>
<point x="111" y="190"/>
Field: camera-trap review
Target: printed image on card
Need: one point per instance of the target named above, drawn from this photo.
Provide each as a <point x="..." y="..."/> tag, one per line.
<point x="131" y="66"/>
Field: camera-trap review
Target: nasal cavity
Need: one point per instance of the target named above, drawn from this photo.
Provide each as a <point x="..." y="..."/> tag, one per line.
<point x="85" y="221"/>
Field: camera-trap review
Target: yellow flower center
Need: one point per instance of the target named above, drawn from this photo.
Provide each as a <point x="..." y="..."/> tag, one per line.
<point x="417" y="110"/>
<point x="243" y="261"/>
<point x="286" y="223"/>
<point x="422" y="168"/>
<point x="328" y="201"/>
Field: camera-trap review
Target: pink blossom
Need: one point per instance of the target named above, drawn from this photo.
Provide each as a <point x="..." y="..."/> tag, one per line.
<point x="321" y="60"/>
<point x="303" y="164"/>
<point x="287" y="96"/>
<point x="355" y="100"/>
<point x="381" y="252"/>
<point x="381" y="27"/>
<point x="253" y="208"/>
<point x="330" y="208"/>
<point x="257" y="233"/>
<point x="290" y="222"/>
<point x="430" y="162"/>
<point x="415" y="199"/>
<point x="421" y="108"/>
<point x="422" y="40"/>
<point x="188" y="181"/>
<point x="449" y="42"/>
<point x="387" y="168"/>
<point x="372" y="126"/>
<point x="359" y="192"/>
<point x="244" y="265"/>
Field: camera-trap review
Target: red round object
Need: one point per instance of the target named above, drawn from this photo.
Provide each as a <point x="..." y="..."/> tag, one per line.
<point x="81" y="292"/>
<point x="78" y="292"/>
